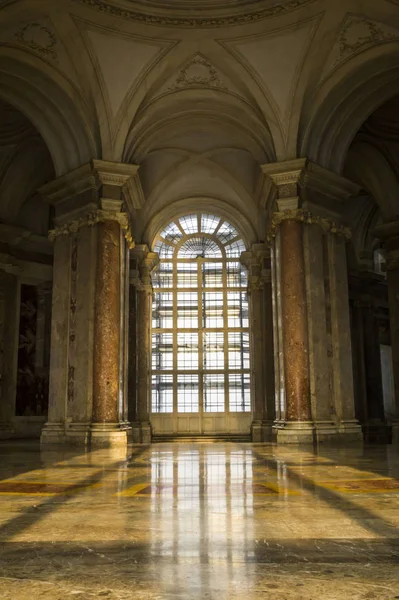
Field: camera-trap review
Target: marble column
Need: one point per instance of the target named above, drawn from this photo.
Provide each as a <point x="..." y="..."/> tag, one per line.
<point x="294" y="327"/>
<point x="107" y="332"/>
<point x="313" y="361"/>
<point x="389" y="234"/>
<point x="10" y="291"/>
<point x="88" y="348"/>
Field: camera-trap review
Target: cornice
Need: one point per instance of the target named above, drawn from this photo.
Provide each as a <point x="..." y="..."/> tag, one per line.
<point x="199" y="22"/>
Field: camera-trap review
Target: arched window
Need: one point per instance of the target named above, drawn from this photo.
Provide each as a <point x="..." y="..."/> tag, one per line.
<point x="200" y="334"/>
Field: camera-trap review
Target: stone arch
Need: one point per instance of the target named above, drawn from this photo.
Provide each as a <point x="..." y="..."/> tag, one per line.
<point x="343" y="103"/>
<point x="179" y="208"/>
<point x="53" y="106"/>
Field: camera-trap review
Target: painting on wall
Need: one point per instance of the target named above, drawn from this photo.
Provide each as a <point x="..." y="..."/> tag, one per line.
<point x="32" y="388"/>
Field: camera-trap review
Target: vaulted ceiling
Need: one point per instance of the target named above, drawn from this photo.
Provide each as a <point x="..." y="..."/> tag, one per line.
<point x="200" y="94"/>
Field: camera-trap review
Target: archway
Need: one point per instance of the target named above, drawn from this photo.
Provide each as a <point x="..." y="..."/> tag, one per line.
<point x="200" y="330"/>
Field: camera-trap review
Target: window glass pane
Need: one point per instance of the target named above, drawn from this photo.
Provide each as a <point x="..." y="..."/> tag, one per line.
<point x="222" y="351"/>
<point x="212" y="275"/>
<point x="172" y="233"/>
<point x="236" y="275"/>
<point x="162" y="276"/>
<point x="187" y="275"/>
<point x="164" y="250"/>
<point x="213" y="350"/>
<point x="213" y="393"/>
<point x="199" y="247"/>
<point x="212" y="309"/>
<point x="187" y="351"/>
<point x="189" y="223"/>
<point x="162" y="310"/>
<point x="162" y="394"/>
<point x="226" y="232"/>
<point x="187" y="310"/>
<point x="235" y="249"/>
<point x="187" y="393"/>
<point x="209" y="223"/>
<point x="238" y="350"/>
<point x="162" y="351"/>
<point x="239" y="393"/>
<point x="237" y="309"/>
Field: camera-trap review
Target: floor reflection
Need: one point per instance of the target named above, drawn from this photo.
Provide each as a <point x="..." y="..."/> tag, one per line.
<point x="199" y="521"/>
<point x="202" y="511"/>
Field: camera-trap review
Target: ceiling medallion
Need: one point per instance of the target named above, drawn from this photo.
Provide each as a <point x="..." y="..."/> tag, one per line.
<point x="196" y="20"/>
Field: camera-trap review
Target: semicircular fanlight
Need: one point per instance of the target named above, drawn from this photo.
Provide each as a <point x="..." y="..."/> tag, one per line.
<point x="199" y="246"/>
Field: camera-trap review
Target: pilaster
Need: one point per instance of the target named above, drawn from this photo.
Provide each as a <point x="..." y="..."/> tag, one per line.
<point x="146" y="262"/>
<point x="257" y="261"/>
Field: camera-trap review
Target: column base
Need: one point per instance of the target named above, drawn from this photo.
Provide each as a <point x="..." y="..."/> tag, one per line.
<point x="256" y="432"/>
<point x="78" y="434"/>
<point x="325" y="432"/>
<point x="294" y="432"/>
<point x="267" y="431"/>
<point x="53" y="433"/>
<point x="6" y="431"/>
<point x="350" y="431"/>
<point x="141" y="432"/>
<point x="107" y="435"/>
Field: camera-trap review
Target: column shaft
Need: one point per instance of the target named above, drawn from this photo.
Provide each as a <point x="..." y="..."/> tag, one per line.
<point x="107" y="325"/>
<point x="54" y="429"/>
<point x="294" y="322"/>
<point x="143" y="353"/>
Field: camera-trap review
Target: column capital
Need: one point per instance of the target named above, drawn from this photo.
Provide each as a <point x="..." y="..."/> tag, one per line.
<point x="146" y="262"/>
<point x="93" y="193"/>
<point x="308" y="218"/>
<point x="257" y="261"/>
<point x="306" y="192"/>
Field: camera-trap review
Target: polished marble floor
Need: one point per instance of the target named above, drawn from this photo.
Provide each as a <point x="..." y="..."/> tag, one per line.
<point x="211" y="521"/>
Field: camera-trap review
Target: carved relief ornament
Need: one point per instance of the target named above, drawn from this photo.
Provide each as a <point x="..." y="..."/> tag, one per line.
<point x="301" y="216"/>
<point x="92" y="218"/>
<point x="196" y="22"/>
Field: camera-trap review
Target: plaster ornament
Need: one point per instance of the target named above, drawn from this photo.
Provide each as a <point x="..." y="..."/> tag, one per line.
<point x="38" y="38"/>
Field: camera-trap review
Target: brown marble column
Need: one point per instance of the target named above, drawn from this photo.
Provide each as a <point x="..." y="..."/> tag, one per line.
<point x="106" y="324"/>
<point x="294" y="321"/>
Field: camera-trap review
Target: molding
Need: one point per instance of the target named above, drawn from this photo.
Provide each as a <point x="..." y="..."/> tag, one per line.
<point x="89" y="178"/>
<point x="91" y="219"/>
<point x="196" y="22"/>
<point x="300" y="216"/>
